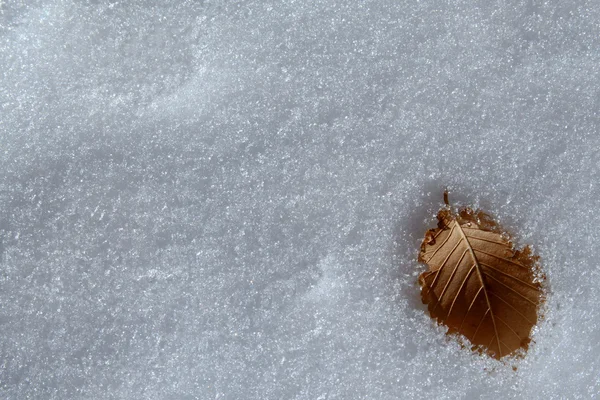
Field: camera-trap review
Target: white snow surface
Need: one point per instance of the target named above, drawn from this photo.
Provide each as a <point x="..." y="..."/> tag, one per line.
<point x="225" y="199"/>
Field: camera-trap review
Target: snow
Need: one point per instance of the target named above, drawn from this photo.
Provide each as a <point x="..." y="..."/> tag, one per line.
<point x="225" y="200"/>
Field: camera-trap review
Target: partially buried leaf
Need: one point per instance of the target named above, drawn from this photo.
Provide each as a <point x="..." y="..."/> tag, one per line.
<point x="477" y="284"/>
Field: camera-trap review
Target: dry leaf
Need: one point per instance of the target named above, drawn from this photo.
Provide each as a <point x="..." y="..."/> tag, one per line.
<point x="477" y="284"/>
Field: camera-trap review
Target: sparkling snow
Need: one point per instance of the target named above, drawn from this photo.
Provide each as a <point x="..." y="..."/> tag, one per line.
<point x="225" y="200"/>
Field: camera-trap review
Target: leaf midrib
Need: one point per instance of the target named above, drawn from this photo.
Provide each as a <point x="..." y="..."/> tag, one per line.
<point x="481" y="281"/>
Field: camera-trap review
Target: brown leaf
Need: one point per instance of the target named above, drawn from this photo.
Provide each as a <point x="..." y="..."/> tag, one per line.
<point x="477" y="284"/>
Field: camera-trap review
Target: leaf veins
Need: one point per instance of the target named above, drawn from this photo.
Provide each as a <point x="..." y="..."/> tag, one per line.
<point x="477" y="284"/>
